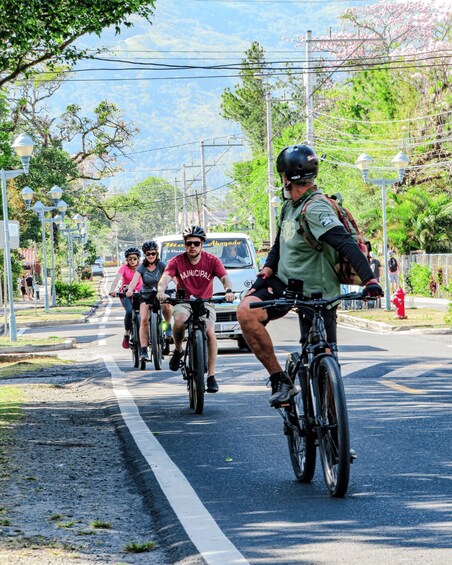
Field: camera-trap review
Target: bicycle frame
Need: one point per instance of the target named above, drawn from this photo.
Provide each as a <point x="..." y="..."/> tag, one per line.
<point x="319" y="417"/>
<point x="193" y="323"/>
<point x="195" y="359"/>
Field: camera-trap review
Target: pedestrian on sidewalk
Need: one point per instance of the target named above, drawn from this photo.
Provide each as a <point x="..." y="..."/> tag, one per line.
<point x="29" y="286"/>
<point x="393" y="268"/>
<point x="23" y="286"/>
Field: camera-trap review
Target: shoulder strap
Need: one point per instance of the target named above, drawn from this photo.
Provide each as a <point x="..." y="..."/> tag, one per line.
<point x="304" y="230"/>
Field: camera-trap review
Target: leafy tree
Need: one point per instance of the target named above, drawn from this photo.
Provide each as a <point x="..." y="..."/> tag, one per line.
<point x="35" y="32"/>
<point x="147" y="210"/>
<point x="247" y="104"/>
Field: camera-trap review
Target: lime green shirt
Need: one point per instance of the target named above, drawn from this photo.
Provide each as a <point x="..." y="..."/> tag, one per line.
<point x="297" y="260"/>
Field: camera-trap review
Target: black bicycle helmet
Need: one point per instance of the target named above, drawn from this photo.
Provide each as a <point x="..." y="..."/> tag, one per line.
<point x="195" y="231"/>
<point x="299" y="163"/>
<point x="132" y="251"/>
<point x="149" y="245"/>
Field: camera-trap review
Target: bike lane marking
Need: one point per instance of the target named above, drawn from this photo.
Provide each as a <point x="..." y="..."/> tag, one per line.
<point x="409" y="371"/>
<point x="200" y="526"/>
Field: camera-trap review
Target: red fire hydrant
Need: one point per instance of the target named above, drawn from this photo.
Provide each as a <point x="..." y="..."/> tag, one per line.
<point x="398" y="300"/>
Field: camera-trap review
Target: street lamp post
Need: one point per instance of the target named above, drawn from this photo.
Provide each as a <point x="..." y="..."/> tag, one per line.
<point x="23" y="146"/>
<point x="40" y="209"/>
<point x="400" y="162"/>
<point x="71" y="234"/>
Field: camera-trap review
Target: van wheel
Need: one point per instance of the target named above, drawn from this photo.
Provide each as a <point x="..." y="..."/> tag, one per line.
<point x="243" y="346"/>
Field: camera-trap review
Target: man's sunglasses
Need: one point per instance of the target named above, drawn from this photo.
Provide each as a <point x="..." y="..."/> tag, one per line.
<point x="151" y="253"/>
<point x="194" y="243"/>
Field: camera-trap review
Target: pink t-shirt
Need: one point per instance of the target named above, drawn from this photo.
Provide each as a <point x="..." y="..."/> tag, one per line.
<point x="127" y="275"/>
<point x="197" y="279"/>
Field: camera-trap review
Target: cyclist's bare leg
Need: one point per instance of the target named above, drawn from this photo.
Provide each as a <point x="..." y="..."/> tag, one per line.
<point x="179" y="330"/>
<point x="212" y="348"/>
<point x="256" y="335"/>
<point x="144" y="325"/>
<point x="167" y="311"/>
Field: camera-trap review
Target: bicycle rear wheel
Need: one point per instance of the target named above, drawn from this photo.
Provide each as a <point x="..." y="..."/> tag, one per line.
<point x="300" y="438"/>
<point x="156" y="340"/>
<point x="197" y="370"/>
<point x="333" y="432"/>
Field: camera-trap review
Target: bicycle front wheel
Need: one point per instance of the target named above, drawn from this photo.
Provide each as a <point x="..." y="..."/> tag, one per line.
<point x="135" y="341"/>
<point x="198" y="364"/>
<point x="300" y="437"/>
<point x="333" y="431"/>
<point x="156" y="340"/>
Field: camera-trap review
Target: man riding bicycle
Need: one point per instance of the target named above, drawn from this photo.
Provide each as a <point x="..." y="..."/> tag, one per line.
<point x="292" y="257"/>
<point x="194" y="271"/>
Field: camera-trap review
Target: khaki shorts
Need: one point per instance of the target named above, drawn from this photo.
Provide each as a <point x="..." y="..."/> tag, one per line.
<point x="185" y="308"/>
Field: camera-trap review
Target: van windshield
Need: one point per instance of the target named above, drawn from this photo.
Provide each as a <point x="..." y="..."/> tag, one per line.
<point x="234" y="253"/>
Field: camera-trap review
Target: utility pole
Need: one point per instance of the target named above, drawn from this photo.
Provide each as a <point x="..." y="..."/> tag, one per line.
<point x="309" y="97"/>
<point x="203" y="187"/>
<point x="176" y="215"/>
<point x="184" y="196"/>
<point x="310" y="78"/>
<point x="270" y="170"/>
<point x="203" y="145"/>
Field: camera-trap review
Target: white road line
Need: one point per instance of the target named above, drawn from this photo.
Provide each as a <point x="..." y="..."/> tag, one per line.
<point x="349" y="368"/>
<point x="414" y="370"/>
<point x="204" y="532"/>
<point x="22" y="331"/>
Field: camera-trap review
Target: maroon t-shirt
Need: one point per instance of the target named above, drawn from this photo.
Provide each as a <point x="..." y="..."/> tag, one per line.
<point x="197" y="280"/>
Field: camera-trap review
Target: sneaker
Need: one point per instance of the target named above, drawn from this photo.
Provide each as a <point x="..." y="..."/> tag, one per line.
<point x="125" y="342"/>
<point x="144" y="355"/>
<point x="212" y="385"/>
<point x="166" y="349"/>
<point x="282" y="389"/>
<point x="174" y="363"/>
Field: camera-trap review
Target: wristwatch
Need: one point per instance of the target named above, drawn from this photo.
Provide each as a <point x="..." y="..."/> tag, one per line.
<point x="228" y="290"/>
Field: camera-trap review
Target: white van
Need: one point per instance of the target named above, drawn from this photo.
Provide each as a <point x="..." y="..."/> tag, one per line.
<point x="236" y="252"/>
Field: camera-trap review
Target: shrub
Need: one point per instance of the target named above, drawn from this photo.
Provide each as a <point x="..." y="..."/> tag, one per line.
<point x="418" y="279"/>
<point x="448" y="316"/>
<point x="68" y="293"/>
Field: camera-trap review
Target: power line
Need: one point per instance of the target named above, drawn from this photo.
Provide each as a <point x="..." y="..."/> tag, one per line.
<point x="202" y="77"/>
<point x="324" y="65"/>
<point x="330" y="116"/>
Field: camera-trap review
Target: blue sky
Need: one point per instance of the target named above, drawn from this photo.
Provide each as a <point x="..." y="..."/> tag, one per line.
<point x="171" y="111"/>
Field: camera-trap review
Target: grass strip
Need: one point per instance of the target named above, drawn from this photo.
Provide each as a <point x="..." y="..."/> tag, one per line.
<point x="426" y="317"/>
<point x="11" y="399"/>
<point x="26" y="340"/>
<point x="16" y="368"/>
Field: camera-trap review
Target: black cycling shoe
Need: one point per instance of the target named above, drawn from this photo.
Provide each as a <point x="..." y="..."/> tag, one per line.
<point x="166" y="349"/>
<point x="144" y="355"/>
<point x="212" y="385"/>
<point x="282" y="389"/>
<point x="174" y="362"/>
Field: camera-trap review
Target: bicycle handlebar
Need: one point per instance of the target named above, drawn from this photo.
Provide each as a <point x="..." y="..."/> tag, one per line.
<point x="310" y="302"/>
<point x="214" y="300"/>
<point x="123" y="294"/>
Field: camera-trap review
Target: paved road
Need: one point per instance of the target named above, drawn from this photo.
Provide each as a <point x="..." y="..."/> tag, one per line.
<point x="245" y="506"/>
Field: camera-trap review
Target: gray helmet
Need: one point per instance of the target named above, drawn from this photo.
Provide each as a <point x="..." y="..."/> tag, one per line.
<point x="195" y="231"/>
<point x="299" y="163"/>
<point x="132" y="251"/>
<point x="148" y="245"/>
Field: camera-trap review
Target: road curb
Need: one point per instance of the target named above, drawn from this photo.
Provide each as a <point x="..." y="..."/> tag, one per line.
<point x="67" y="344"/>
<point x="366" y="324"/>
<point x="387" y="328"/>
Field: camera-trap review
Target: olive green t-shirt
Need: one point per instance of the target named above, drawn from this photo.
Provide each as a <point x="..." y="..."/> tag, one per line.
<point x="297" y="260"/>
